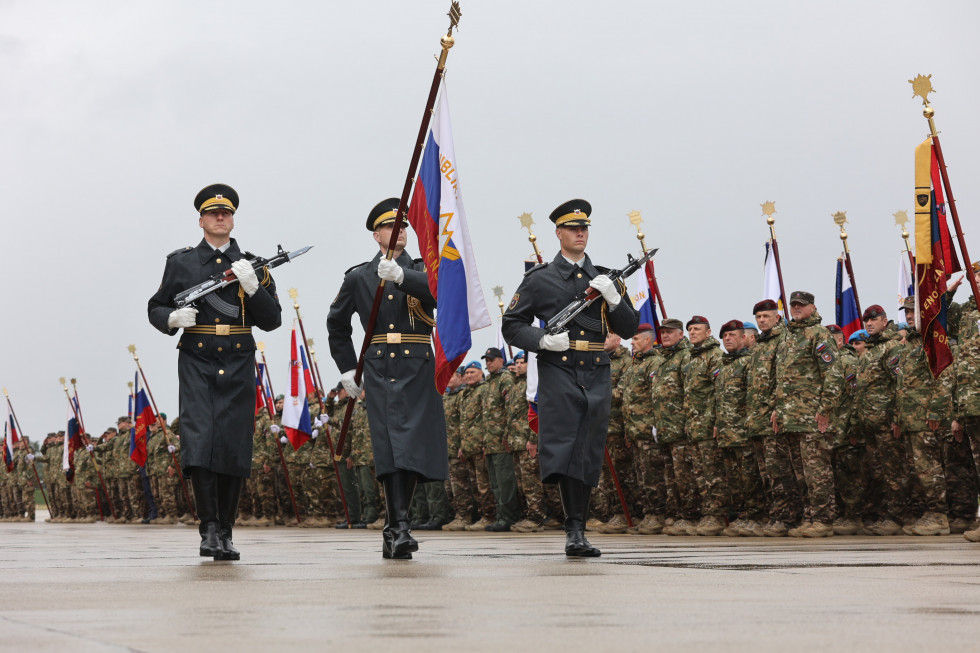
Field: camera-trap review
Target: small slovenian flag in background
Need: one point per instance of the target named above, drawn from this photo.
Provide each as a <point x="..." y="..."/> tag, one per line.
<point x="296" y="410"/>
<point x="73" y="442"/>
<point x="144" y="416"/>
<point x="10" y="438"/>
<point x="848" y="318"/>
<point x="532" y="376"/>
<point x="644" y="302"/>
<point x="438" y="217"/>
<point x="259" y="394"/>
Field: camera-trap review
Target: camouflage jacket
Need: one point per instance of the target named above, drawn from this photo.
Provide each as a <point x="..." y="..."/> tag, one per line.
<point x="729" y="398"/>
<point x="157" y="455"/>
<point x="359" y="450"/>
<point x="471" y="419"/>
<point x="84" y="469"/>
<point x="635" y="386"/>
<point x="23" y="471"/>
<point x="520" y="432"/>
<point x="450" y="405"/>
<point x="263" y="448"/>
<point x="807" y="379"/>
<point x="878" y="368"/>
<point x="962" y="322"/>
<point x="667" y="388"/>
<point x="760" y="381"/>
<point x="619" y="361"/>
<point x="699" y="389"/>
<point x="919" y="397"/>
<point x="121" y="462"/>
<point x="496" y="424"/>
<point x="844" y="426"/>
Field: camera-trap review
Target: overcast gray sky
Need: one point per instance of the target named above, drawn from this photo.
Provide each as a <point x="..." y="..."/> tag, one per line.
<point x="114" y="114"/>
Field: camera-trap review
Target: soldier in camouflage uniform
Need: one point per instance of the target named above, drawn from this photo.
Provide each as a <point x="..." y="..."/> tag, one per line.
<point x="648" y="455"/>
<point x="158" y="462"/>
<point x="852" y="470"/>
<point x="924" y="412"/>
<point x="472" y="428"/>
<point x="262" y="482"/>
<point x="463" y="500"/>
<point x="360" y="460"/>
<point x="523" y="442"/>
<point x="875" y="416"/>
<point x="50" y="451"/>
<point x="744" y="481"/>
<point x="25" y="478"/>
<point x="316" y="473"/>
<point x="667" y="388"/>
<point x="772" y="450"/>
<point x="606" y="501"/>
<point x="496" y="447"/>
<point x="106" y="450"/>
<point x="808" y="389"/>
<point x="699" y="409"/>
<point x="85" y="487"/>
<point x="130" y="484"/>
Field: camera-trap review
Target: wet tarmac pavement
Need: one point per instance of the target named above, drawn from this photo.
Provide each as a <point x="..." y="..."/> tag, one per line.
<point x="100" y="587"/>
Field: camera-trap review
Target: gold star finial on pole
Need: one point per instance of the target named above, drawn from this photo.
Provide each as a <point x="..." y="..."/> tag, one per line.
<point x="636" y="219"/>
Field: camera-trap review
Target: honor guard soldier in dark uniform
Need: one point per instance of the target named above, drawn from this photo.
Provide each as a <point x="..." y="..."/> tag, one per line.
<point x="405" y="412"/>
<point x="216" y="363"/>
<point x="574" y="390"/>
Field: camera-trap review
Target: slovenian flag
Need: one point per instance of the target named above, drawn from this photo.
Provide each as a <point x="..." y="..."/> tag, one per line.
<point x="644" y="300"/>
<point x="439" y="220"/>
<point x="296" y="410"/>
<point x="905" y="286"/>
<point x="73" y="442"/>
<point x="259" y="394"/>
<point x="848" y="318"/>
<point x="144" y="416"/>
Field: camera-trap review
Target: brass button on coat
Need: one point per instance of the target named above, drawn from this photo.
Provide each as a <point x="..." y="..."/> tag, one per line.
<point x="221" y="371"/>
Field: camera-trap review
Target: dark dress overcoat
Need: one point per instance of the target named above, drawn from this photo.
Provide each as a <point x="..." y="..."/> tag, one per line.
<point x="574" y="388"/>
<point x="216" y="372"/>
<point x="405" y="413"/>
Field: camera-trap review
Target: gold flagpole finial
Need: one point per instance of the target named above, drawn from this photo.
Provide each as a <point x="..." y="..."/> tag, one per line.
<point x="448" y="41"/>
<point x="61" y="380"/>
<point x="132" y="350"/>
<point x="840" y="219"/>
<point x="902" y="219"/>
<point x="260" y="346"/>
<point x="922" y="87"/>
<point x="74" y="380"/>
<point x="5" y="393"/>
<point x="129" y="384"/>
<point x="768" y="209"/>
<point x="636" y="219"/>
<point x="526" y="223"/>
<point x="498" y="292"/>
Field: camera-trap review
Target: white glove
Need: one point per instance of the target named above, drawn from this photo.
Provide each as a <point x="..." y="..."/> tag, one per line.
<point x="607" y="288"/>
<point x="284" y="440"/>
<point x="390" y="271"/>
<point x="182" y="318"/>
<point x="549" y="342"/>
<point x="171" y="448"/>
<point x="30" y="457"/>
<point x="89" y="448"/>
<point x="274" y="428"/>
<point x="246" y="276"/>
<point x="321" y="420"/>
<point x="653" y="431"/>
<point x="312" y="466"/>
<point x="347" y="380"/>
<point x="314" y="434"/>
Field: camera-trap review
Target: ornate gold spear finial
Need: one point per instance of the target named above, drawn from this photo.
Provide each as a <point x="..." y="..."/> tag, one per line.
<point x="768" y="208"/>
<point x="448" y="41"/>
<point x="260" y="346"/>
<point x="73" y="381"/>
<point x="902" y="219"/>
<point x="840" y="219"/>
<point x="132" y="350"/>
<point x="526" y="222"/>
<point x="636" y="219"/>
<point x="498" y="292"/>
<point x="61" y="380"/>
<point x="129" y="384"/>
<point x="922" y="87"/>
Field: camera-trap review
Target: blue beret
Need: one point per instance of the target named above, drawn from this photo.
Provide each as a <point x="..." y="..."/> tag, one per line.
<point x="473" y="365"/>
<point x="750" y="325"/>
<point x="860" y="334"/>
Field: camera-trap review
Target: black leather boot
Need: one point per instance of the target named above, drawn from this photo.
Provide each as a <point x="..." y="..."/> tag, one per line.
<point x="397" y="540"/>
<point x="206" y="501"/>
<point x="229" y="491"/>
<point x="575" y="501"/>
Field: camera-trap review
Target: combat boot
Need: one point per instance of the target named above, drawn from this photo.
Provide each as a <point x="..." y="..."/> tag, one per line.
<point x="651" y="525"/>
<point x="264" y="521"/>
<point x="818" y="529"/>
<point x="958" y="526"/>
<point x="594" y="524"/>
<point x="615" y="526"/>
<point x="377" y="524"/>
<point x="885" y="526"/>
<point x="751" y="528"/>
<point x="846" y="526"/>
<point x="458" y="524"/>
<point x="681" y="527"/>
<point x="527" y="526"/>
<point x="972" y="535"/>
<point x="931" y="523"/>
<point x="732" y="530"/>
<point x="552" y="524"/>
<point x="480" y="525"/>
<point x="710" y="526"/>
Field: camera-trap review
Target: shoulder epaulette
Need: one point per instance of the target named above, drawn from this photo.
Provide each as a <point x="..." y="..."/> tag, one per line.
<point x="179" y="250"/>
<point x="354" y="267"/>
<point x="539" y="266"/>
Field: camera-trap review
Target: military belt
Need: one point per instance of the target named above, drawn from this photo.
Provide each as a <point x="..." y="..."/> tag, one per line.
<point x="219" y="330"/>
<point x="585" y="345"/>
<point x="398" y="338"/>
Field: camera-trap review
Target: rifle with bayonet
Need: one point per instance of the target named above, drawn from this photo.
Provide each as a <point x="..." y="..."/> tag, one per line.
<point x="218" y="281"/>
<point x="584" y="299"/>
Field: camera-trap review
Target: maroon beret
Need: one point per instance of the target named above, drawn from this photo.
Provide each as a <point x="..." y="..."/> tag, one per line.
<point x="833" y="328"/>
<point x="646" y="326"/>
<point x="697" y="319"/>
<point x="765" y="305"/>
<point x="731" y="325"/>
<point x="873" y="311"/>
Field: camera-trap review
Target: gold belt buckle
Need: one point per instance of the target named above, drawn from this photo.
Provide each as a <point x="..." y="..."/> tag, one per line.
<point x="581" y="345"/>
<point x="222" y="329"/>
<point x="394" y="338"/>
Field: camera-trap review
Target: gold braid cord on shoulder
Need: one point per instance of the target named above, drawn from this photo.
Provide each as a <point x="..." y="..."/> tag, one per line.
<point x="266" y="280"/>
<point x="415" y="310"/>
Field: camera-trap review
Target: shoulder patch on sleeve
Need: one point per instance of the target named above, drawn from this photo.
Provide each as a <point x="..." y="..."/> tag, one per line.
<point x="513" y="302"/>
<point x="539" y="266"/>
<point x="179" y="250"/>
<point x="827" y="357"/>
<point x="353" y="267"/>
